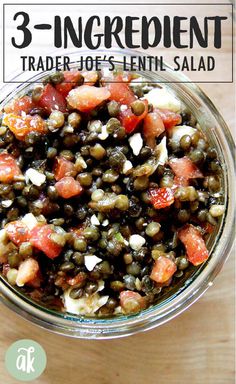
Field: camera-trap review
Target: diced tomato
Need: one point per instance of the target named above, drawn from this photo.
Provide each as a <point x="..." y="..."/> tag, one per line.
<point x="120" y="91"/>
<point x="8" y="168"/>
<point x="131" y="302"/>
<point x="86" y="97"/>
<point x="71" y="79"/>
<point x="152" y="127"/>
<point x="181" y="181"/>
<point x="27" y="272"/>
<point x="163" y="269"/>
<point x="17" y="232"/>
<point x="22" y="125"/>
<point x="161" y="197"/>
<point x="129" y="120"/>
<point x="90" y="77"/>
<point x="22" y="104"/>
<point x="169" y="118"/>
<point x="51" y="100"/>
<point x="185" y="168"/>
<point x="63" y="167"/>
<point x="40" y="239"/>
<point x="68" y="187"/>
<point x="194" y="244"/>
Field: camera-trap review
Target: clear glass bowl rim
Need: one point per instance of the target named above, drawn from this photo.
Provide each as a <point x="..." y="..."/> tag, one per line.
<point x="70" y="325"/>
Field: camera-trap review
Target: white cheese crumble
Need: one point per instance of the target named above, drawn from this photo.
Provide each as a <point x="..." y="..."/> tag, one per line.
<point x="37" y="178"/>
<point x="127" y="166"/>
<point x="105" y="223"/>
<point x="90" y="261"/>
<point x="29" y="220"/>
<point x="94" y="220"/>
<point x="161" y="98"/>
<point x="161" y="151"/>
<point x="136" y="143"/>
<point x="104" y="134"/>
<point x="136" y="242"/>
<point x="123" y="107"/>
<point x="179" y="131"/>
<point x="86" y="305"/>
<point x="7" y="203"/>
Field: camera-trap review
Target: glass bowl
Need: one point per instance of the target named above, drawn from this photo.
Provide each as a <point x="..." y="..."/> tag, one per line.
<point x="187" y="291"/>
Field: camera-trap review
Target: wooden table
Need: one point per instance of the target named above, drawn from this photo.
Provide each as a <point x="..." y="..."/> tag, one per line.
<point x="197" y="347"/>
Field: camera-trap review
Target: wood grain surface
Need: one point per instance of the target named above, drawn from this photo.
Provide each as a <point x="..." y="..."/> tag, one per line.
<point x="197" y="347"/>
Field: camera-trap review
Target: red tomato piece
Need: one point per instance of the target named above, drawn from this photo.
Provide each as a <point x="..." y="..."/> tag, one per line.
<point x="161" y="197"/>
<point x="40" y="239"/>
<point x="194" y="244"/>
<point x="163" y="269"/>
<point x="180" y="181"/>
<point x="120" y="91"/>
<point x="185" y="168"/>
<point x="68" y="187"/>
<point x="17" y="232"/>
<point x="63" y="167"/>
<point x="131" y="302"/>
<point x="153" y="126"/>
<point x="8" y="168"/>
<point x="71" y="79"/>
<point x="169" y="118"/>
<point x="28" y="271"/>
<point x="129" y="120"/>
<point x="21" y="126"/>
<point x="51" y="100"/>
<point x="86" y="97"/>
<point x="22" y="104"/>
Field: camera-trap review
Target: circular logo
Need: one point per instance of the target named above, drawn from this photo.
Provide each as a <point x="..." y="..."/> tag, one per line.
<point x="25" y="360"/>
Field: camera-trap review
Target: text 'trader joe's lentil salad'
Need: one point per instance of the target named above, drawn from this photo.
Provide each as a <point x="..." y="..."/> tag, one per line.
<point x="108" y="192"/>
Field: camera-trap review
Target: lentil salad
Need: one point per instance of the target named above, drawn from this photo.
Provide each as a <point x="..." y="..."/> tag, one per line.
<point x="108" y="193"/>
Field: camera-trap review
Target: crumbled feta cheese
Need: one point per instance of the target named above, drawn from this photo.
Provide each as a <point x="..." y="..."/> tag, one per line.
<point x="127" y="166"/>
<point x="123" y="107"/>
<point x="29" y="149"/>
<point x="179" y="131"/>
<point x="7" y="203"/>
<point x="37" y="178"/>
<point x="136" y="242"/>
<point x="94" y="220"/>
<point x="86" y="305"/>
<point x="105" y="223"/>
<point x="161" y="152"/>
<point x="161" y="98"/>
<point x="104" y="134"/>
<point x="136" y="143"/>
<point x="90" y="261"/>
<point x="30" y="220"/>
<point x="126" y="242"/>
<point x="80" y="164"/>
<point x="118" y="310"/>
